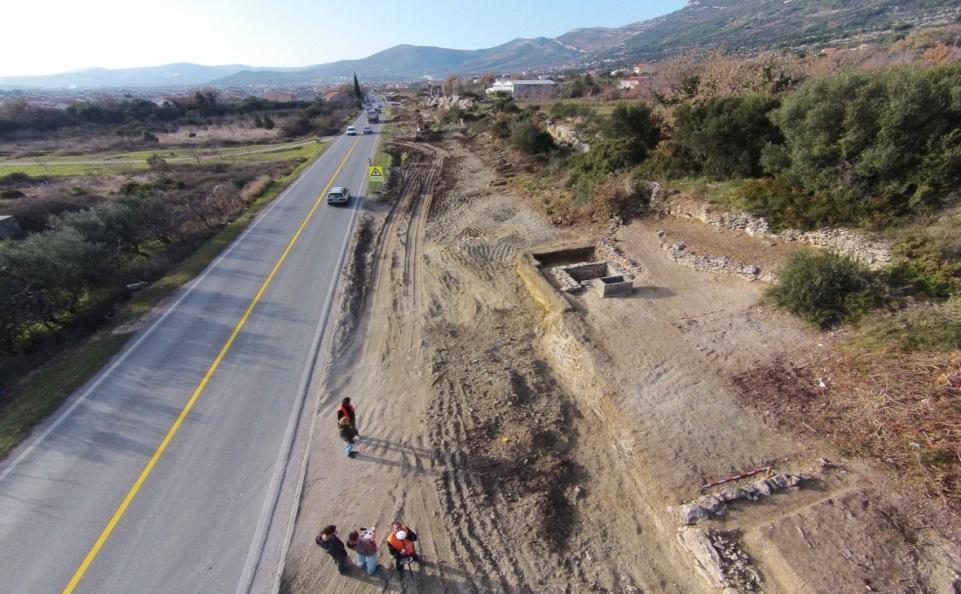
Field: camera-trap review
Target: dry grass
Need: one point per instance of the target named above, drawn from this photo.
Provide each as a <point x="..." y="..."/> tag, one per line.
<point x="904" y="410"/>
<point x="255" y="188"/>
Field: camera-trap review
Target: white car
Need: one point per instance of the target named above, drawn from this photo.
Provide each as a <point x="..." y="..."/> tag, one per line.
<point x="338" y="195"/>
<point x="368" y="130"/>
<point x="351" y="131"/>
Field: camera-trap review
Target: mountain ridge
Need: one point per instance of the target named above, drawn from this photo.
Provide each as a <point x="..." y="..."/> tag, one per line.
<point x="733" y="25"/>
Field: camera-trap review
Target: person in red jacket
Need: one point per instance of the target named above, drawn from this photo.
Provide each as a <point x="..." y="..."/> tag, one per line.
<point x="400" y="543"/>
<point x="346" y="409"/>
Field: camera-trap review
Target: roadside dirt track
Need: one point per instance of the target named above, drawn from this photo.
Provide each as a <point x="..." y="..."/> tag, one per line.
<point x="476" y="431"/>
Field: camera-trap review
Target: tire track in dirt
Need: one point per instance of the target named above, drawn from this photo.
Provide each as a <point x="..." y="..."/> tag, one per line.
<point x="454" y="488"/>
<point x="405" y="233"/>
<point x="511" y="514"/>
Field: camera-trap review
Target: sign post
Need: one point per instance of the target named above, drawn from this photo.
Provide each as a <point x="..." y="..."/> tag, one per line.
<point x="375" y="173"/>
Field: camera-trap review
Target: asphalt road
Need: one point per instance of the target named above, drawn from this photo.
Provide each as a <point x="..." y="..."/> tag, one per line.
<point x="199" y="520"/>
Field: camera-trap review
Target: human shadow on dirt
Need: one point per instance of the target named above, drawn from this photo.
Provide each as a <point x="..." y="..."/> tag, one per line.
<point x="390" y="445"/>
<point x="414" y="468"/>
<point x="427" y="576"/>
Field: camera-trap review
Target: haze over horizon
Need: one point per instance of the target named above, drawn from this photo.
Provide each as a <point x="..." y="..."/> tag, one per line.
<point x="288" y="33"/>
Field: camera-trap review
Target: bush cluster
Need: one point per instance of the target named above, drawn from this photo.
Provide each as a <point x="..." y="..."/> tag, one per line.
<point x="629" y="133"/>
<point x="878" y="145"/>
<point x="826" y="289"/>
<point x="48" y="278"/>
<point x="719" y="138"/>
<point x="563" y="109"/>
<point x="320" y="117"/>
<point x="531" y="139"/>
<point x="136" y="114"/>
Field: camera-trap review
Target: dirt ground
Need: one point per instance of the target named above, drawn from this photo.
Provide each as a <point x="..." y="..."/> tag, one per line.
<point x="539" y="450"/>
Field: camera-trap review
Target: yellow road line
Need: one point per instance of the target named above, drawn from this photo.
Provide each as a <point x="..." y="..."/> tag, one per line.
<point x="132" y="493"/>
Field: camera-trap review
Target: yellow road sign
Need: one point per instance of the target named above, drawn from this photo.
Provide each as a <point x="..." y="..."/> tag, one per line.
<point x="375" y="173"/>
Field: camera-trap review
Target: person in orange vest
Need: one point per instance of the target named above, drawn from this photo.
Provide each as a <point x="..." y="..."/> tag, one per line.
<point x="346" y="409"/>
<point x="400" y="543"/>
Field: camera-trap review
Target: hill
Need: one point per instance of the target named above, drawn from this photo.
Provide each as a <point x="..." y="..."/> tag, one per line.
<point x="406" y="62"/>
<point x="168" y="75"/>
<point x="751" y="25"/>
<point x="703" y="25"/>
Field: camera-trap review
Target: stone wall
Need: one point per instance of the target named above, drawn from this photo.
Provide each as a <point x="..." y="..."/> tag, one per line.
<point x="607" y="248"/>
<point x="866" y="248"/>
<point x="446" y="102"/>
<point x="685" y="254"/>
<point x="565" y="134"/>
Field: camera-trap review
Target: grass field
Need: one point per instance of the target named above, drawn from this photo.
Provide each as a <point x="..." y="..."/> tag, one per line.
<point x="113" y="163"/>
<point x="601" y="108"/>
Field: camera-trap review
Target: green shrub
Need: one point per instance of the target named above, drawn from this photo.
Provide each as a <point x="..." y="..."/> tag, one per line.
<point x="240" y="181"/>
<point x="501" y="126"/>
<point x="157" y="162"/>
<point x="787" y="207"/>
<point x="11" y="194"/>
<point x="579" y="85"/>
<point x="588" y="170"/>
<point x="924" y="268"/>
<point x="723" y="138"/>
<point x="635" y="124"/>
<point x="298" y="126"/>
<point x="629" y="134"/>
<point x="563" y="109"/>
<point x="504" y="103"/>
<point x="529" y="138"/>
<point x="887" y="143"/>
<point x="825" y="289"/>
<point x="18" y="178"/>
<point x="452" y="116"/>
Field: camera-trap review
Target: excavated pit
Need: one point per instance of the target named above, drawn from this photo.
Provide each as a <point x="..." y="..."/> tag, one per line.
<point x="573" y="270"/>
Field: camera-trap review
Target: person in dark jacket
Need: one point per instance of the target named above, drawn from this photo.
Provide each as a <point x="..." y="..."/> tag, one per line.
<point x="347" y="433"/>
<point x="333" y="546"/>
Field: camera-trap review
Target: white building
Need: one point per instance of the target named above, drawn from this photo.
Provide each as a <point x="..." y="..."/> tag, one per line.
<point x="521" y="88"/>
<point x="633" y="82"/>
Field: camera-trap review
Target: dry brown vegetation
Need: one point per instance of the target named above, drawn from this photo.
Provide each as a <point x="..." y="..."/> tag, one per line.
<point x="904" y="410"/>
<point x="46" y="196"/>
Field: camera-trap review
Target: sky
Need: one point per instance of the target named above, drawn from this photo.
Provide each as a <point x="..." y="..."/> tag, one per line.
<point x="52" y="36"/>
